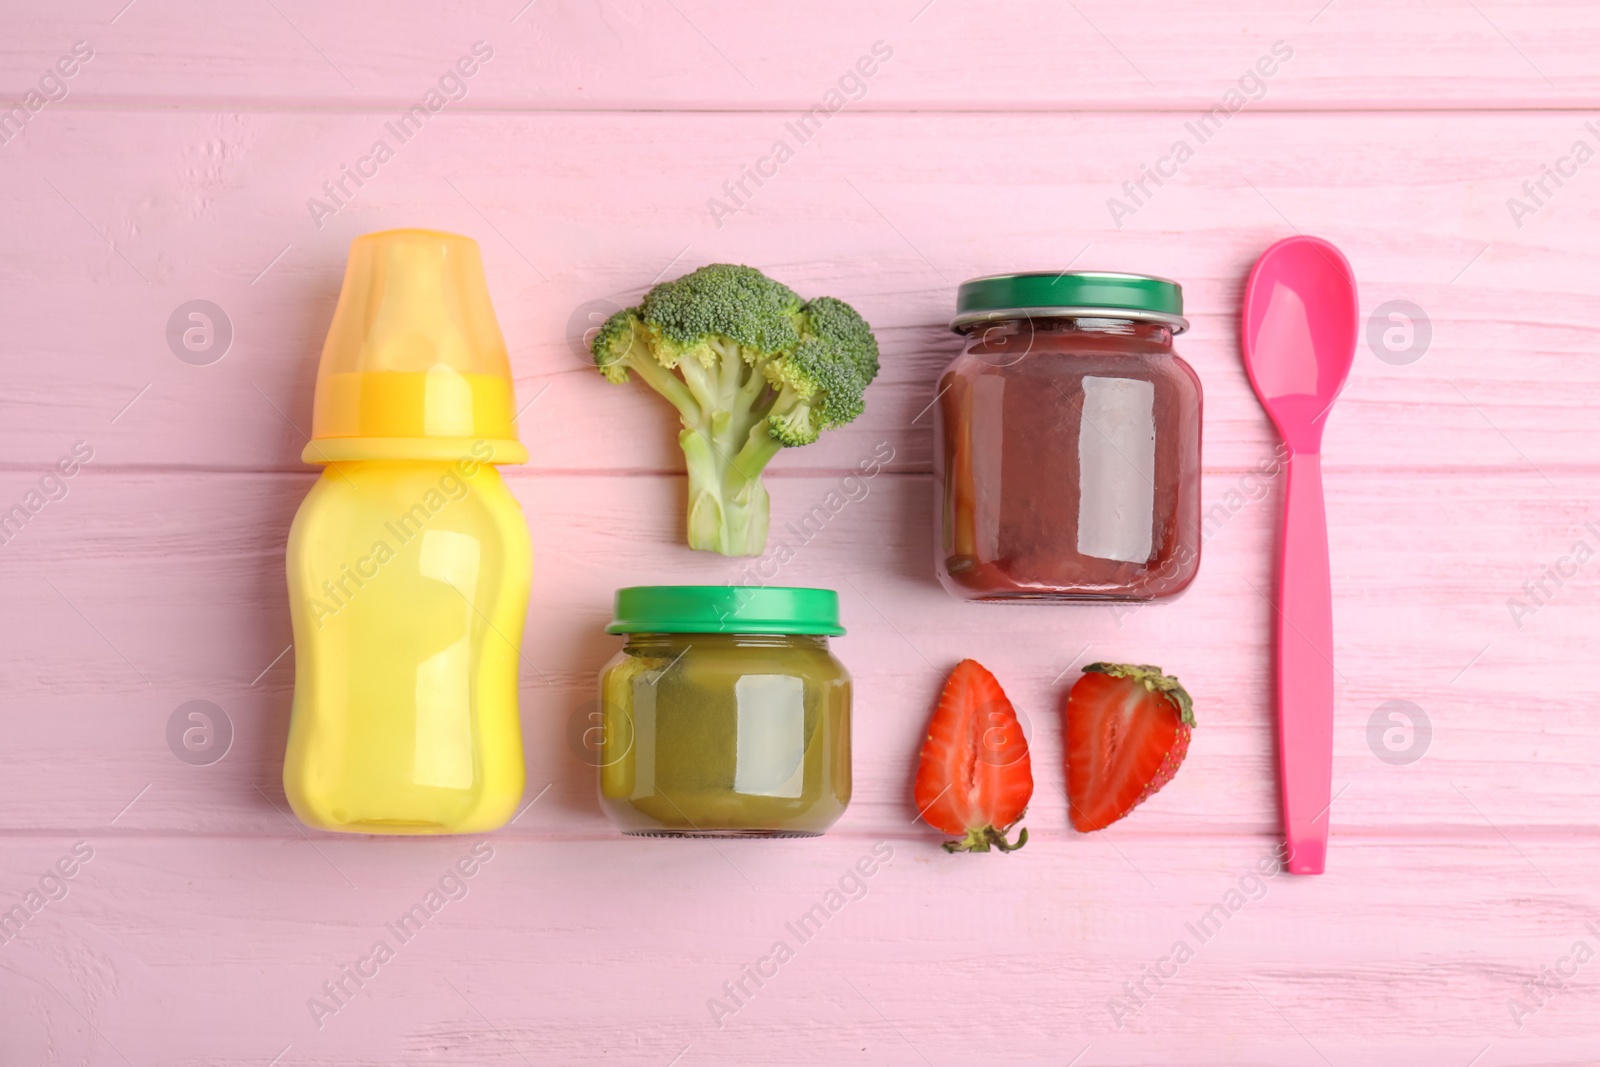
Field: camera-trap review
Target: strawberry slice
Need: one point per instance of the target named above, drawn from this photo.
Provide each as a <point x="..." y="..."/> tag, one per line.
<point x="1127" y="730"/>
<point x="975" y="778"/>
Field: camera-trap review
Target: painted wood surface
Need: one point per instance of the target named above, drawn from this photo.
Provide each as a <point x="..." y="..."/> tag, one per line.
<point x="582" y="155"/>
<point x="710" y="55"/>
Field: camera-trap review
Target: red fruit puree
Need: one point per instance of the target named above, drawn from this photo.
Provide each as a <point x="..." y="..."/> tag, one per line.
<point x="1067" y="461"/>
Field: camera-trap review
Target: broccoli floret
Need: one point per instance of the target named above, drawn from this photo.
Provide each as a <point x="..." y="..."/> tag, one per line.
<point x="821" y="383"/>
<point x="751" y="368"/>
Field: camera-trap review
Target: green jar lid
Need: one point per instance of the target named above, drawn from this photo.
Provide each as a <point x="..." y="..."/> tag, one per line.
<point x="726" y="609"/>
<point x="1070" y="293"/>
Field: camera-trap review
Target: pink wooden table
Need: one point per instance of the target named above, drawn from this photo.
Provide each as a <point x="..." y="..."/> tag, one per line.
<point x="1459" y="922"/>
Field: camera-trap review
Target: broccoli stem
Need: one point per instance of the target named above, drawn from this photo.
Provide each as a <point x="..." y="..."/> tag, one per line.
<point x="749" y="397"/>
<point x="727" y="511"/>
<point x="726" y="446"/>
<point x="758" y="450"/>
<point x="668" y="385"/>
<point x="728" y="504"/>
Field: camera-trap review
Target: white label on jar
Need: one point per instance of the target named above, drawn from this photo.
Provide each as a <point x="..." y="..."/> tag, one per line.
<point x="771" y="743"/>
<point x="1117" y="469"/>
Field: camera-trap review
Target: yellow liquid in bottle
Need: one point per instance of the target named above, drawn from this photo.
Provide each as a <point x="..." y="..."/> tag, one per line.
<point x="408" y="586"/>
<point x="437" y="403"/>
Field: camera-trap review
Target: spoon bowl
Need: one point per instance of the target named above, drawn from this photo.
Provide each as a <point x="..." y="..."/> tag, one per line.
<point x="1301" y="323"/>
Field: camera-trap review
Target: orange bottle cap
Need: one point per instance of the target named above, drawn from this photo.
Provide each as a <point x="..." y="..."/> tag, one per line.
<point x="414" y="366"/>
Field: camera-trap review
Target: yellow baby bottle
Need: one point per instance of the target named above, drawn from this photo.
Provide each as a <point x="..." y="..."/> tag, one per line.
<point x="409" y="561"/>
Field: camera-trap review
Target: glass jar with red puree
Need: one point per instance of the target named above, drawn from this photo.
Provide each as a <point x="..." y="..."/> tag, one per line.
<point x="1067" y="450"/>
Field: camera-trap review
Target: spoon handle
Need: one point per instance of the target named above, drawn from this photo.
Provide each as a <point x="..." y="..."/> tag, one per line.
<point x="1305" y="666"/>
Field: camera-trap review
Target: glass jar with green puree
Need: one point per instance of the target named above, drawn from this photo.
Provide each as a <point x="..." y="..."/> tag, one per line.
<point x="725" y="714"/>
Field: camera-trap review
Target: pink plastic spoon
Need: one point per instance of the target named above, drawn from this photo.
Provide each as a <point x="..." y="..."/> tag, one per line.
<point x="1299" y="339"/>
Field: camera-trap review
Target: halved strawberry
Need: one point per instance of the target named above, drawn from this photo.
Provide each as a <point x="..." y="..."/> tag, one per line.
<point x="975" y="778"/>
<point x="1127" y="730"/>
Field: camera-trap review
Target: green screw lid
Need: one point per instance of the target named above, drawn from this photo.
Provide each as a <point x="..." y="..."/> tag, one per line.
<point x="726" y="609"/>
<point x="1060" y="294"/>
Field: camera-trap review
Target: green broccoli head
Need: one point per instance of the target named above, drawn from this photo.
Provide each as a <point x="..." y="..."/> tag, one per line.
<point x="827" y="373"/>
<point x="616" y="341"/>
<point x="703" y="312"/>
<point x="751" y="368"/>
